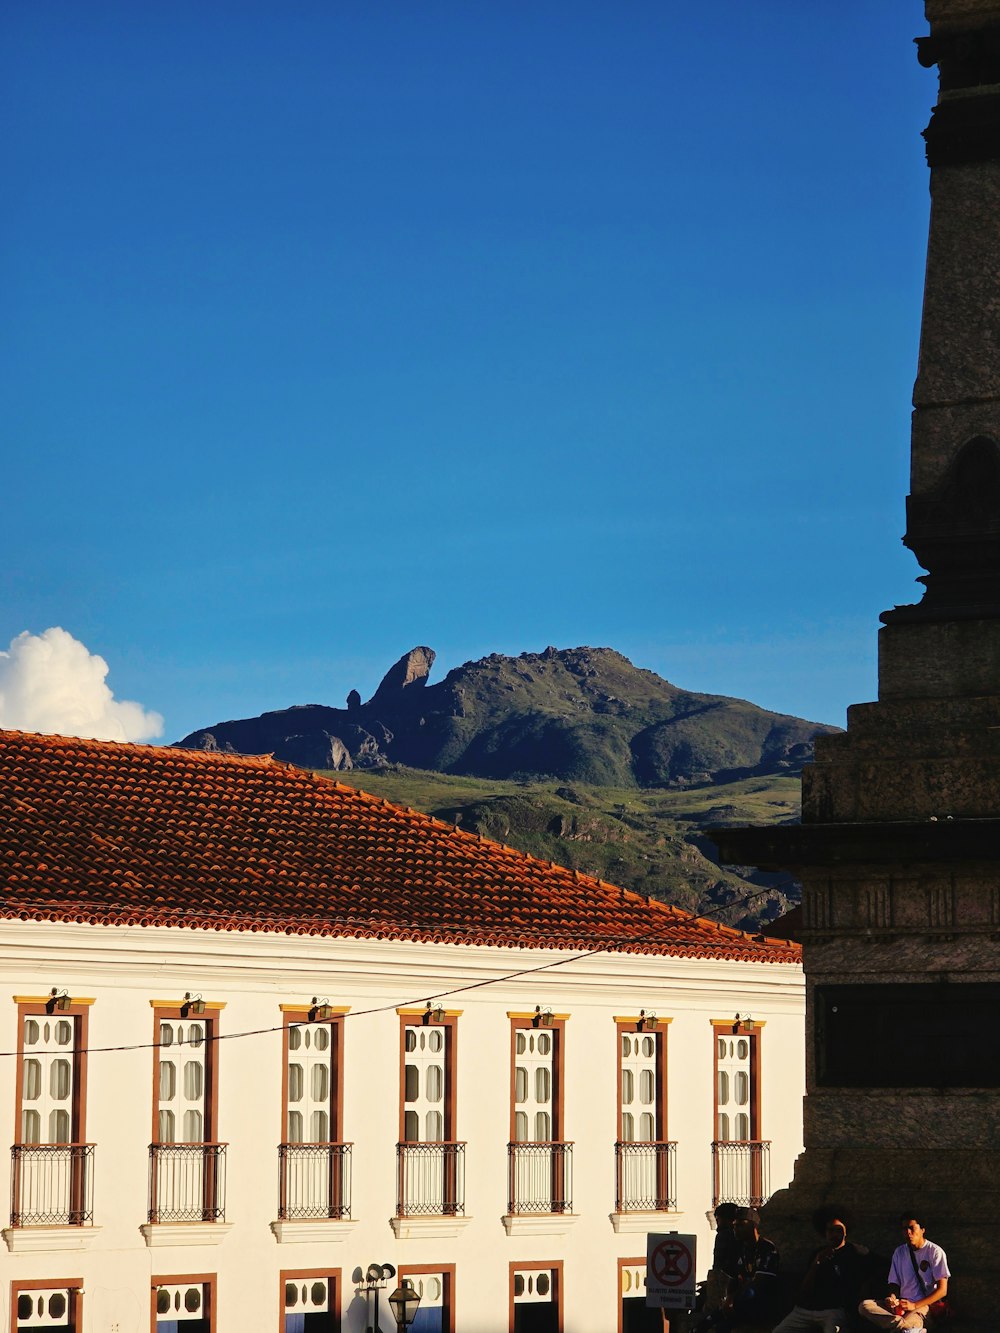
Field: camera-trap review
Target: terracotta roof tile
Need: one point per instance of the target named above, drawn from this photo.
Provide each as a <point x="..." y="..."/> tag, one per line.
<point x="94" y="831"/>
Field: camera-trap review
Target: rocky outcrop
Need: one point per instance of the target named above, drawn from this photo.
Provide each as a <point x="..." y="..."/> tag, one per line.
<point x="573" y="715"/>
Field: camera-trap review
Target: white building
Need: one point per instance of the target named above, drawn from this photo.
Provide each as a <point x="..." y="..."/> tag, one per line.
<point x="259" y="1032"/>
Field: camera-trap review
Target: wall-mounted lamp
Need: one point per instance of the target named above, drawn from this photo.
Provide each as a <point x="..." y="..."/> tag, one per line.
<point x="543" y="1017"/>
<point x="321" y="1010"/>
<point x="193" y="1004"/>
<point x="434" y="1013"/>
<point x="376" y="1279"/>
<point x="58" y="1000"/>
<point x="743" y="1021"/>
<point x="647" y="1020"/>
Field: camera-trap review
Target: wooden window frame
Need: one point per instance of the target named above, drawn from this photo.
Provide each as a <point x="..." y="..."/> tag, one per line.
<point x="411" y="1018"/>
<point x="622" y="1264"/>
<point x="301" y="1018"/>
<point x="74" y="1285"/>
<point x="79" y="1010"/>
<point x="632" y="1027"/>
<point x="331" y="1275"/>
<point x="555" y="1266"/>
<point x="205" y="1280"/>
<point x="556" y="1025"/>
<point x="726" y="1026"/>
<point x="448" y="1273"/>
<point x="210" y="1018"/>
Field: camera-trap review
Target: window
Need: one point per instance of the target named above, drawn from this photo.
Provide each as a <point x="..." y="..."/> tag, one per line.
<point x="314" y="1165"/>
<point x="52" y="1165"/>
<point x="187" y="1170"/>
<point x="539" y="1162"/>
<point x="536" y="1298"/>
<point x="435" y="1287"/>
<point x="741" y="1157"/>
<point x="645" y="1160"/>
<point x="634" y="1316"/>
<point x="311" y="1301"/>
<point x="54" y="1306"/>
<point x="183" y="1304"/>
<point x="431" y="1163"/>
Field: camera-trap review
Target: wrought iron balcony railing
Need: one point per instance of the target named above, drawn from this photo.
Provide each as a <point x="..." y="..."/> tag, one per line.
<point x="430" y="1179"/>
<point x="741" y="1172"/>
<point x="314" y="1180"/>
<point x="539" y="1178"/>
<point x="646" y="1177"/>
<point x="187" y="1182"/>
<point x="52" y="1184"/>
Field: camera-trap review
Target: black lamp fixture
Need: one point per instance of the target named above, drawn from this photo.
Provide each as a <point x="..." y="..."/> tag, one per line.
<point x="58" y="1000"/>
<point x="543" y="1017"/>
<point x="647" y="1021"/>
<point x="404" y="1302"/>
<point x="744" y="1022"/>
<point x="193" y="1004"/>
<point x="434" y="1013"/>
<point x="321" y="1010"/>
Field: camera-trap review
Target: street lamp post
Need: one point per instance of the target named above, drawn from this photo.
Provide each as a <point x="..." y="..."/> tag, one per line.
<point x="403" y="1301"/>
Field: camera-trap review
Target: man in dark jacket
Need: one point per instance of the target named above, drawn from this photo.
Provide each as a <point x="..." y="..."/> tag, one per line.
<point x="755" y="1298"/>
<point x="831" y="1288"/>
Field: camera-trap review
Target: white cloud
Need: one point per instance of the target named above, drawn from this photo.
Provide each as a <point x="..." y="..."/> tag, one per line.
<point x="51" y="683"/>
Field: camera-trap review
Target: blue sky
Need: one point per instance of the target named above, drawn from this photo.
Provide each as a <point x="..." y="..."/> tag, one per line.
<point x="337" y="328"/>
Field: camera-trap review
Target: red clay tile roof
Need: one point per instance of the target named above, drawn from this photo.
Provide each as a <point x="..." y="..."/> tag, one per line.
<point x="98" y="832"/>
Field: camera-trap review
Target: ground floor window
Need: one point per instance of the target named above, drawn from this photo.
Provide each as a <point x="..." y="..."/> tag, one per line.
<point x="311" y="1301"/>
<point x="436" y="1288"/>
<point x="183" y="1305"/>
<point x="52" y="1306"/>
<point x="634" y="1315"/>
<point x="536" y="1299"/>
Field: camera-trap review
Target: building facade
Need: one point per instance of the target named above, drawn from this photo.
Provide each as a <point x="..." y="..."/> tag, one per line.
<point x="262" y="1038"/>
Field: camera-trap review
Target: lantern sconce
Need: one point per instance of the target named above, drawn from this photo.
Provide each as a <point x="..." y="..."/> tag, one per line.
<point x="744" y="1021"/>
<point x="321" y="1010"/>
<point x="193" y="1004"/>
<point x="434" y="1013"/>
<point x="543" y="1017"/>
<point x="58" y="1000"/>
<point x="647" y="1020"/>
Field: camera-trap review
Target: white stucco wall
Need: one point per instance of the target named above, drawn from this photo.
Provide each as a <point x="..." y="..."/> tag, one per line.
<point x="123" y="969"/>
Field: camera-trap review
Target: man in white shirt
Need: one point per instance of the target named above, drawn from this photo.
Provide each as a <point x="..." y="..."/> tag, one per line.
<point x="918" y="1279"/>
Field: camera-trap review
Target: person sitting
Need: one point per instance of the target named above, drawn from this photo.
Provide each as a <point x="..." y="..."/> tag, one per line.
<point x="725" y="1259"/>
<point x="755" y="1297"/>
<point x="832" y="1284"/>
<point x="918" y="1279"/>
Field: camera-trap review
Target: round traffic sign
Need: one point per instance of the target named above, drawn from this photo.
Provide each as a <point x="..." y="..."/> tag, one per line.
<point x="671" y="1263"/>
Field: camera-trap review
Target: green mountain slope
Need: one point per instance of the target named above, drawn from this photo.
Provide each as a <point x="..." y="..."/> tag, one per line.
<point x="646" y="840"/>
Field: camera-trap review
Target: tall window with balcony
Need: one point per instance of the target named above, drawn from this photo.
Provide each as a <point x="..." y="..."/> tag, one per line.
<point x="53" y="1306"/>
<point x="645" y="1158"/>
<point x="314" y="1165"/>
<point x="430" y="1160"/>
<point x="52" y="1166"/>
<point x="740" y="1157"/>
<point x="186" y="1165"/>
<point x="539" y="1178"/>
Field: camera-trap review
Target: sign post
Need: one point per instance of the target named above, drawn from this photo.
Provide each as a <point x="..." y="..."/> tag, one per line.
<point x="670" y="1271"/>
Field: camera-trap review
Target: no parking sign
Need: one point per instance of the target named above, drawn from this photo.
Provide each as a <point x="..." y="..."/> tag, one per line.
<point x="670" y="1271"/>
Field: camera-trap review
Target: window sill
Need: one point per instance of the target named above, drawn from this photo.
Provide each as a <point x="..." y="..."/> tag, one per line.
<point x="431" y="1228"/>
<point x="327" y="1230"/>
<point x="634" y="1223"/>
<point x="185" y="1233"/>
<point x="21" y="1240"/>
<point x="544" y="1224"/>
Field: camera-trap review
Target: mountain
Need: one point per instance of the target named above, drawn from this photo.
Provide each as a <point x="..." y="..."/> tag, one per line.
<point x="580" y="715"/>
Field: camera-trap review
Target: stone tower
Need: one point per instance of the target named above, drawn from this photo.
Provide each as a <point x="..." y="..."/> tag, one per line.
<point x="899" y="847"/>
